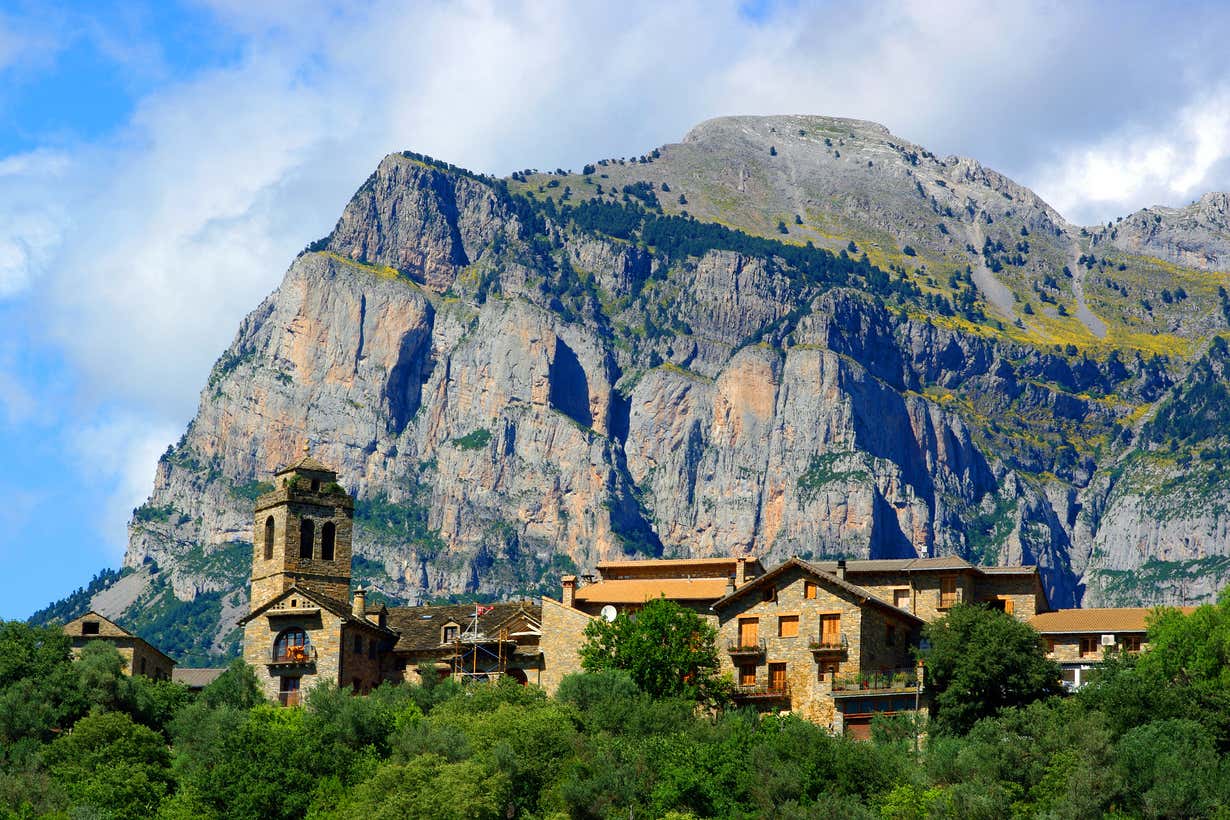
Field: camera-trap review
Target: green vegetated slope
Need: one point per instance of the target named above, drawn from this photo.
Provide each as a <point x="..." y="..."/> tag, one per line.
<point x="991" y="374"/>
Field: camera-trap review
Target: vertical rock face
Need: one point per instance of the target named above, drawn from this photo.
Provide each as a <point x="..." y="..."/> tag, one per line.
<point x="513" y="389"/>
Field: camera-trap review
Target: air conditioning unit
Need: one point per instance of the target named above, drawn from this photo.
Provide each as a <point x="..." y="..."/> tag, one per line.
<point x="1108" y="640"/>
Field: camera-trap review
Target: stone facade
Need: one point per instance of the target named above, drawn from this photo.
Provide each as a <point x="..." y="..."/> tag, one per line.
<point x="563" y="635"/>
<point x="140" y="658"/>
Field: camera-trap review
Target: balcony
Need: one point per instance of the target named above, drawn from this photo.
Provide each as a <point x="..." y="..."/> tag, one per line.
<point x="293" y="656"/>
<point x="741" y="650"/>
<point x="763" y="692"/>
<point x="289" y="697"/>
<point x="829" y="645"/>
<point x="947" y="600"/>
<point x="881" y="680"/>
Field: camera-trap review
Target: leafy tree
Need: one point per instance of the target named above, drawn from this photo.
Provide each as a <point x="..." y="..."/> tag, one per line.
<point x="668" y="650"/>
<point x="982" y="661"/>
<point x="111" y="764"/>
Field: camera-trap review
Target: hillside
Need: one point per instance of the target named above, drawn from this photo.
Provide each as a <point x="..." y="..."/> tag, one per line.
<point x="782" y="335"/>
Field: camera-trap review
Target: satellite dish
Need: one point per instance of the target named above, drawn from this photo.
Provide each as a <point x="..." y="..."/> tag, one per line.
<point x="608" y="613"/>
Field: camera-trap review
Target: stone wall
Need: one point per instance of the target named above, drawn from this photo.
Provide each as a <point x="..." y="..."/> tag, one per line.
<point x="361" y="663"/>
<point x="1024" y="592"/>
<point x="562" y="637"/>
<point x="324" y="631"/>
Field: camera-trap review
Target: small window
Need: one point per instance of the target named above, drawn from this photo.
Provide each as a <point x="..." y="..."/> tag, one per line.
<point x="269" y="538"/>
<point x="1089" y="646"/>
<point x="1130" y="643"/>
<point x="809" y="590"/>
<point x="828" y="671"/>
<point x="948" y="591"/>
<point x="901" y="599"/>
<point x="769" y="594"/>
<point x="307" y="537"/>
<point x="450" y="634"/>
<point x="358" y="644"/>
<point x="777" y="677"/>
<point x="747" y="675"/>
<point x="327" y="535"/>
<point x="89" y="627"/>
<point x="788" y="626"/>
<point x="890" y="635"/>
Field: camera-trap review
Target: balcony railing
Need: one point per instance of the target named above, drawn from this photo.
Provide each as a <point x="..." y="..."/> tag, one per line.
<point x="293" y="655"/>
<point x="829" y="644"/>
<point x="905" y="679"/>
<point x="947" y="600"/>
<point x="289" y="697"/>
<point x="763" y="691"/>
<point x="738" y="648"/>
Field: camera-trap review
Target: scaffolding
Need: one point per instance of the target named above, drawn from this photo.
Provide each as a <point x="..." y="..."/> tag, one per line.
<point x="479" y="657"/>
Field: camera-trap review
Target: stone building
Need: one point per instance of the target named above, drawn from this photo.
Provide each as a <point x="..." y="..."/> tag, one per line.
<point x="140" y="658"/>
<point x="1079" y="639"/>
<point x="306" y="626"/>
<point x="830" y="640"/>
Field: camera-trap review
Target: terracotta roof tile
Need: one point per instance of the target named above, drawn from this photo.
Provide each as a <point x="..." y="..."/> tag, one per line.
<point x="1071" y="621"/>
<point x="639" y="590"/>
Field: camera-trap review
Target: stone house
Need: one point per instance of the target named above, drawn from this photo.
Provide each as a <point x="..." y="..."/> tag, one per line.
<point x="808" y="641"/>
<point x="306" y="626"/>
<point x="1079" y="639"/>
<point x="140" y="657"/>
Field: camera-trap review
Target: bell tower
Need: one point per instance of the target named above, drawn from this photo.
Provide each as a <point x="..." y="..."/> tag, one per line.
<point x="302" y="533"/>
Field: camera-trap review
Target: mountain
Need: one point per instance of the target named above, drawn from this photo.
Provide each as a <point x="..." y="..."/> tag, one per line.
<point x="782" y="335"/>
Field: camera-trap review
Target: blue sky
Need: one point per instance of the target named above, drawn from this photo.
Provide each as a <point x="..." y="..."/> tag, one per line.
<point x="161" y="163"/>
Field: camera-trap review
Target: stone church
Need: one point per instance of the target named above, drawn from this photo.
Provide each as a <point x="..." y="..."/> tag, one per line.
<point x="306" y="625"/>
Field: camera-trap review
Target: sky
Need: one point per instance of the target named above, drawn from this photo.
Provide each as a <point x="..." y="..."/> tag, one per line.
<point x="161" y="163"/>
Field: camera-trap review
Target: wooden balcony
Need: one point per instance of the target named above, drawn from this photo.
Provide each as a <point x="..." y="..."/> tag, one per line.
<point x="739" y="650"/>
<point x="829" y="645"/>
<point x="293" y="656"/>
<point x="763" y="692"/>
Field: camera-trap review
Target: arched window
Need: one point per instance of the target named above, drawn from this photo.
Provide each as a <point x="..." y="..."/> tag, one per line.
<point x="326" y="540"/>
<point x="307" y="536"/>
<point x="292" y="645"/>
<point x="268" y="538"/>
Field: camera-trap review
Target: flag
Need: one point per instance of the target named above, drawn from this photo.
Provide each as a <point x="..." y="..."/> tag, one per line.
<point x="482" y="610"/>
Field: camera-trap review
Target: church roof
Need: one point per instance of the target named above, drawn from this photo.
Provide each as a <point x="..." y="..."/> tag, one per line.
<point x="419" y="626"/>
<point x="306" y="464"/>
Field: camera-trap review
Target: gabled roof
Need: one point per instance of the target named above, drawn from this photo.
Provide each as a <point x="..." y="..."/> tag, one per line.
<point x="124" y="633"/>
<point x="196" y="678"/>
<point x="418" y="627"/>
<point x="676" y="567"/>
<point x="942" y="563"/>
<point x="339" y="608"/>
<point x="863" y="595"/>
<point x="640" y="590"/>
<point x="1094" y="620"/>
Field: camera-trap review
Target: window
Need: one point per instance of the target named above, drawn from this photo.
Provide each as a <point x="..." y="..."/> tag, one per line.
<point x="307" y="535"/>
<point x="1050" y="646"/>
<point x="269" y="538"/>
<point x="1089" y="646"/>
<point x="288" y="694"/>
<point x="890" y="635"/>
<point x="788" y="626"/>
<point x="809" y="590"/>
<point x="777" y="677"/>
<point x="315" y="485"/>
<point x="1130" y="643"/>
<point x="948" y="591"/>
<point x="901" y="599"/>
<point x="829" y="670"/>
<point x="747" y="675"/>
<point x="358" y="644"/>
<point x="327" y="533"/>
<point x="749" y="629"/>
<point x="292" y="646"/>
<point x="769" y="593"/>
<point x="450" y="634"/>
<point x="830" y="630"/>
<point x="1007" y="605"/>
<point x="89" y="627"/>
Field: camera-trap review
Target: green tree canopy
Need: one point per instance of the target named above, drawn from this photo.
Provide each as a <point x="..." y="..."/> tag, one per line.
<point x="982" y="661"/>
<point x="667" y="650"/>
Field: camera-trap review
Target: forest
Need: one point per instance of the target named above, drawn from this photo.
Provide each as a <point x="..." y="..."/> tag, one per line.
<point x="1148" y="738"/>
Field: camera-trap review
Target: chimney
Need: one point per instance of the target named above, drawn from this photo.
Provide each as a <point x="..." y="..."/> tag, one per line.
<point x="730" y="586"/>
<point x="740" y="571"/>
<point x="359" y="609"/>
<point x="841" y="568"/>
<point x="570" y="589"/>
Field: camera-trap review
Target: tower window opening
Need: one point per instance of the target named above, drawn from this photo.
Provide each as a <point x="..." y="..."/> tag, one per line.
<point x="315" y="485"/>
<point x="307" y="537"/>
<point x="269" y="538"/>
<point x="327" y="537"/>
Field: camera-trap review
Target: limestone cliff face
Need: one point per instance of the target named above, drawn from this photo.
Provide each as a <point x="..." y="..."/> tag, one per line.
<point x="513" y="389"/>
